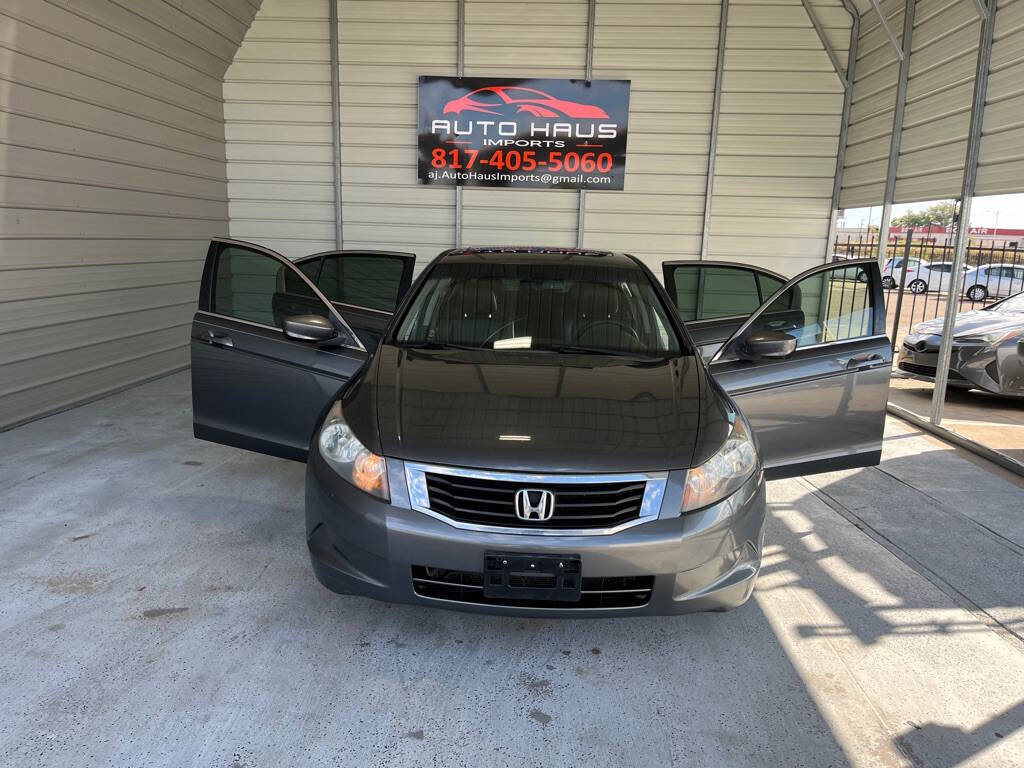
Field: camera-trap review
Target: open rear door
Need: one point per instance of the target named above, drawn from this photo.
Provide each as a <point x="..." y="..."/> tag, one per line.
<point x="254" y="385"/>
<point x="810" y="370"/>
<point x="364" y="286"/>
<point x="714" y="298"/>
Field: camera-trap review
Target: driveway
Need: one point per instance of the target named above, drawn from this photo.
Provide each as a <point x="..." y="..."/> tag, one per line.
<point x="159" y="609"/>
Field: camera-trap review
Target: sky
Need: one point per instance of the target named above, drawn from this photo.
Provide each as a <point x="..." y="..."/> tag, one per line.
<point x="1005" y="211"/>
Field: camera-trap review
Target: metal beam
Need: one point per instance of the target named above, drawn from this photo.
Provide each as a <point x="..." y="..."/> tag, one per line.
<point x="824" y="41"/>
<point x="844" y="125"/>
<point x="589" y="73"/>
<point x="591" y="22"/>
<point x="970" y="178"/>
<point x="460" y="71"/>
<point x="332" y="16"/>
<point x="716" y="107"/>
<point x="909" y="10"/>
<point x="888" y="30"/>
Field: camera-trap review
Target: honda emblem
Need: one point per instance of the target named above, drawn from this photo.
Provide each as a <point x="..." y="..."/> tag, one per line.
<point x="535" y="504"/>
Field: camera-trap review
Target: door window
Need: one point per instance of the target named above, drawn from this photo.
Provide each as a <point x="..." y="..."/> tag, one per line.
<point x="310" y="269"/>
<point x="828" y="306"/>
<point x="702" y="293"/>
<point x="370" y="281"/>
<point x="252" y="286"/>
<point x="769" y="285"/>
<point x="728" y="292"/>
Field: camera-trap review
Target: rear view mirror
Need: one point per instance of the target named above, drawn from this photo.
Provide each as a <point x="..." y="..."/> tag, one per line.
<point x="309" y="328"/>
<point x="767" y="345"/>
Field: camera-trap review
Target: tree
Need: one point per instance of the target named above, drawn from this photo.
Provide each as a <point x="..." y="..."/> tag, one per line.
<point x="939" y="213"/>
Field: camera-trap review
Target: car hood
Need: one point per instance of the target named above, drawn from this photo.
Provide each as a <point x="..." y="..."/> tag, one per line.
<point x="537" y="412"/>
<point x="973" y="323"/>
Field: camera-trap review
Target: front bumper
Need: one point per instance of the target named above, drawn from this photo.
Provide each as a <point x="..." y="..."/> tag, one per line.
<point x="999" y="370"/>
<point x="703" y="561"/>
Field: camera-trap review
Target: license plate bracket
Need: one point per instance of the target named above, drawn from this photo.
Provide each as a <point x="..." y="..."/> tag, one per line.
<point x="519" y="576"/>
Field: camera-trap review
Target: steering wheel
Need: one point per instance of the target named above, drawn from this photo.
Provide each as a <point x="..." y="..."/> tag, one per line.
<point x="511" y="325"/>
<point x="630" y="330"/>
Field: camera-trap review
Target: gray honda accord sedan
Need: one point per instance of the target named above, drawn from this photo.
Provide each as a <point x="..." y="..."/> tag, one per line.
<point x="532" y="431"/>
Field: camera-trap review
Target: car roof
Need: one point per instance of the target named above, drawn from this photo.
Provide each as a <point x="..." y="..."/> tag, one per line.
<point x="536" y="255"/>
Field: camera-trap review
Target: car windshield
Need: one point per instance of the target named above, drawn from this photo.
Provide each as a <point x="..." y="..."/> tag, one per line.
<point x="554" y="307"/>
<point x="1012" y="304"/>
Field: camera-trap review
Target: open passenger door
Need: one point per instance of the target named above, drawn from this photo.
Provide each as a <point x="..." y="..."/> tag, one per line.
<point x="810" y="370"/>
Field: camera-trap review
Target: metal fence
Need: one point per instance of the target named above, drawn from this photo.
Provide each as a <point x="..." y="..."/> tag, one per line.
<point x="917" y="289"/>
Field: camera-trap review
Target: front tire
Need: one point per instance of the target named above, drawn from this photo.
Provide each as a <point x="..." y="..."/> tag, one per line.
<point x="918" y="286"/>
<point x="977" y="293"/>
<point x="888" y="282"/>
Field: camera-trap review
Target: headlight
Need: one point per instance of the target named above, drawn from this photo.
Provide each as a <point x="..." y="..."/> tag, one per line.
<point x="351" y="459"/>
<point x="993" y="339"/>
<point x="725" y="472"/>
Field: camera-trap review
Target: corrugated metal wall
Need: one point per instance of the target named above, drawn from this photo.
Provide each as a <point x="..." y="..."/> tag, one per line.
<point x="277" y="112"/>
<point x="776" y="158"/>
<point x="1001" y="163"/>
<point x="383" y="48"/>
<point x="112" y="163"/>
<point x="940" y="88"/>
<point x="871" y="113"/>
<point x="782" y="106"/>
<point x="669" y="53"/>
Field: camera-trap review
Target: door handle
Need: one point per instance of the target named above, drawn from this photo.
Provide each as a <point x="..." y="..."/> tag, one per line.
<point x="865" y="357"/>
<point x="209" y="337"/>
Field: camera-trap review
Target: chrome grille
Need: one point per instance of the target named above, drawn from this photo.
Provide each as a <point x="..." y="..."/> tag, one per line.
<point x="486" y="501"/>
<point x="927" y="370"/>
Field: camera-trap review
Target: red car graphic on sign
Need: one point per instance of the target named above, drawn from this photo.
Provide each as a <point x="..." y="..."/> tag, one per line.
<point x="503" y="99"/>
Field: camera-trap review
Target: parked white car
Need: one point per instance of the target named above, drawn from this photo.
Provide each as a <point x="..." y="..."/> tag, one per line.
<point x="893" y="267"/>
<point x="932" y="276"/>
<point x="993" y="281"/>
<point x="922" y="276"/>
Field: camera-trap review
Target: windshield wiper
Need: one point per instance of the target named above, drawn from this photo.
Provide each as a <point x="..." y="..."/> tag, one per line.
<point x="576" y="349"/>
<point x="433" y="345"/>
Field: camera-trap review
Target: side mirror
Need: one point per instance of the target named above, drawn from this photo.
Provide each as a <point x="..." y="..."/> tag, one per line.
<point x="767" y="345"/>
<point x="309" y="328"/>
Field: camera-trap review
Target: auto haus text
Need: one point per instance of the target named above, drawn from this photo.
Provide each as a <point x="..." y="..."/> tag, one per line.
<point x="507" y="133"/>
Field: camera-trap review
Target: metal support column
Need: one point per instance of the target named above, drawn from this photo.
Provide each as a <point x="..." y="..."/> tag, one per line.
<point x="897" y="126"/>
<point x="716" y="106"/>
<point x="460" y="71"/>
<point x="589" y="74"/>
<point x="844" y="125"/>
<point x="332" y="17"/>
<point x="956" y="281"/>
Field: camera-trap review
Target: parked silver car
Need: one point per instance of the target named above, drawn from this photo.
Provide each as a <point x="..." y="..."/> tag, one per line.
<point x="987" y="348"/>
<point x="993" y="281"/>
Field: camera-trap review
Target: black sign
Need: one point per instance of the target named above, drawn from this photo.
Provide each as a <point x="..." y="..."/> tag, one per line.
<point x="489" y="132"/>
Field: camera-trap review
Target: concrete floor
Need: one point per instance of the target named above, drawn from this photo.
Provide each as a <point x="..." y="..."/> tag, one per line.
<point x="993" y="421"/>
<point x="158" y="609"/>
